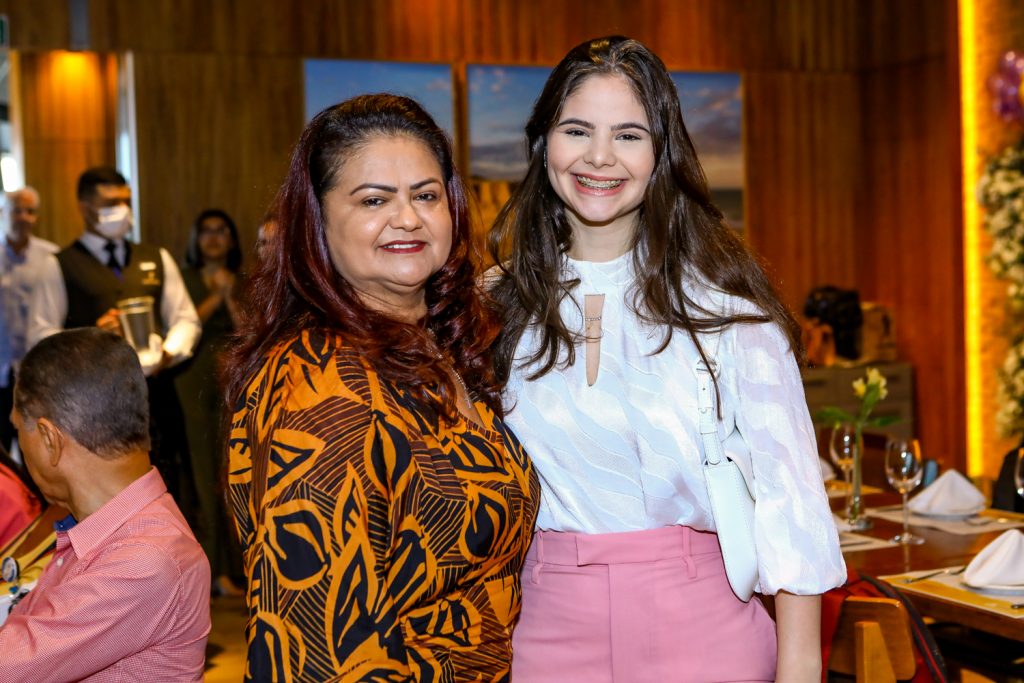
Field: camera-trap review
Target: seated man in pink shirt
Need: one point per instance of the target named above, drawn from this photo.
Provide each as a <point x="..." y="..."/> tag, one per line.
<point x="126" y="596"/>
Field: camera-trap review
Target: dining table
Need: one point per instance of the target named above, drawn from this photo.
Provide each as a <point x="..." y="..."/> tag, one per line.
<point x="940" y="550"/>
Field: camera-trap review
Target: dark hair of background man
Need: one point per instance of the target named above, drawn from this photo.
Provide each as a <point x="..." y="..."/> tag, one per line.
<point x="89" y="383"/>
<point x="98" y="175"/>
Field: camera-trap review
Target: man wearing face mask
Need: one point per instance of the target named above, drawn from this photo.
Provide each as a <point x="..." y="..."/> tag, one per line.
<point x="20" y="259"/>
<point x="81" y="285"/>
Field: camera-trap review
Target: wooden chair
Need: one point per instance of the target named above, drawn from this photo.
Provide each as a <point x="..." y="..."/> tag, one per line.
<point x="873" y="641"/>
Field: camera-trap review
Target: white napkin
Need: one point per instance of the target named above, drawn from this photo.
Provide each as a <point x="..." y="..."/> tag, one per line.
<point x="950" y="494"/>
<point x="827" y="472"/>
<point x="1000" y="563"/>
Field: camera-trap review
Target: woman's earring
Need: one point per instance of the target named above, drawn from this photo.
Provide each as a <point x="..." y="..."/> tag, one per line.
<point x="545" y="157"/>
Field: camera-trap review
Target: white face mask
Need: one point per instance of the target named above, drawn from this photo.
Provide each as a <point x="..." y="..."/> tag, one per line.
<point x="114" y="222"/>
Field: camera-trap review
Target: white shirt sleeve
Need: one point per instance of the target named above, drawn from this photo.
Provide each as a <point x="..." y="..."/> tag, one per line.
<point x="797" y="543"/>
<point x="48" y="305"/>
<point x="178" y="313"/>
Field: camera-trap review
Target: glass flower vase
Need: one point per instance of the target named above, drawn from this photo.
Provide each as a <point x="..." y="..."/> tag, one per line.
<point x="855" y="517"/>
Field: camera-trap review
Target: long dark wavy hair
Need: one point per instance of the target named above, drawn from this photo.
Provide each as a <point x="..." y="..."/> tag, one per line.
<point x="297" y="287"/>
<point x="680" y="232"/>
<point x="194" y="256"/>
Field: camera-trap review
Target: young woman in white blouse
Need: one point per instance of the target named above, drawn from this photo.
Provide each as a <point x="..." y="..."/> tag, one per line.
<point x="617" y="276"/>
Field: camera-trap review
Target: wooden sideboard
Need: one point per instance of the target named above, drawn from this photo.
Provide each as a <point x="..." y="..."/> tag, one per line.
<point x="833" y="387"/>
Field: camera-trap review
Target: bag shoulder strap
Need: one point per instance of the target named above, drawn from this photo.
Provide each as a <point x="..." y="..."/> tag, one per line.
<point x="923" y="638"/>
<point x="706" y="403"/>
<point x="708" y="422"/>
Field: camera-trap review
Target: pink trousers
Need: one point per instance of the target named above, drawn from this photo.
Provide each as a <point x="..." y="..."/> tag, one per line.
<point x="645" y="606"/>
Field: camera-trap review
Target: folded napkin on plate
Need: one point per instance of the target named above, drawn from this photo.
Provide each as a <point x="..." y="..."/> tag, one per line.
<point x="1000" y="563"/>
<point x="950" y="494"/>
<point x="827" y="473"/>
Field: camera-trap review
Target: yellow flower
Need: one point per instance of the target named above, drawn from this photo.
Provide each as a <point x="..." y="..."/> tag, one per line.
<point x="859" y="387"/>
<point x="876" y="377"/>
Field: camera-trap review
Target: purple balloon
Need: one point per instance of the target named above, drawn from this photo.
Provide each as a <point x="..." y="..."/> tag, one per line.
<point x="1005" y="85"/>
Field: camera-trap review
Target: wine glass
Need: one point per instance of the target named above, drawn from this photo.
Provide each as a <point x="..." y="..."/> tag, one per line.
<point x="904" y="470"/>
<point x="841" y="447"/>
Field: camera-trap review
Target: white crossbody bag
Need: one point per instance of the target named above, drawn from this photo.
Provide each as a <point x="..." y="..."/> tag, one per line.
<point x="729" y="476"/>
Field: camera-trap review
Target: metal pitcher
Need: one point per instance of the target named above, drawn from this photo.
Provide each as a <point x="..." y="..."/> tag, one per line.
<point x="137" y="321"/>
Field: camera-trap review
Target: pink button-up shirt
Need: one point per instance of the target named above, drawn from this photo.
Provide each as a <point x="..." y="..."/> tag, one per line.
<point x="125" y="598"/>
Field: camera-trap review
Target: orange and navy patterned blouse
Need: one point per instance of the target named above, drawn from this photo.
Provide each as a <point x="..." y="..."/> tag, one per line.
<point x="380" y="544"/>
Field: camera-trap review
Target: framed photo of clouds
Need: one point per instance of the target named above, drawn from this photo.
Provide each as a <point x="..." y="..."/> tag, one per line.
<point x="500" y="101"/>
<point x="329" y="81"/>
<point x="502" y="97"/>
<point x="713" y="112"/>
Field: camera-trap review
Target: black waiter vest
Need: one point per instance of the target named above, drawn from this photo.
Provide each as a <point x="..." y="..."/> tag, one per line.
<point x="93" y="288"/>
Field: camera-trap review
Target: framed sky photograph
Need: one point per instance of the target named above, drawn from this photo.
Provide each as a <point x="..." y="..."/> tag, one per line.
<point x="500" y="100"/>
<point x="329" y="81"/>
<point x="713" y="112"/>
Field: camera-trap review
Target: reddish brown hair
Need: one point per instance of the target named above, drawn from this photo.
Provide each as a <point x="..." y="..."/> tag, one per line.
<point x="297" y="287"/>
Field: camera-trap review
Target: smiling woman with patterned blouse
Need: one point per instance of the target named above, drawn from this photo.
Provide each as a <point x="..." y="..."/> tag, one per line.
<point x="383" y="507"/>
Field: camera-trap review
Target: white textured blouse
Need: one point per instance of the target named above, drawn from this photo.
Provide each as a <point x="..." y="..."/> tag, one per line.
<point x="625" y="454"/>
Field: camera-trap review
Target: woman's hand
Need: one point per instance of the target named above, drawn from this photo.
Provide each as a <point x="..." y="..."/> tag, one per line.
<point x="223" y="281"/>
<point x="798" y="620"/>
<point x="221" y="284"/>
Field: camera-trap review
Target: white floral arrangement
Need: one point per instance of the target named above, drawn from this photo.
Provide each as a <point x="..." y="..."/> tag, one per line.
<point x="1001" y="194"/>
<point x="1010" y="414"/>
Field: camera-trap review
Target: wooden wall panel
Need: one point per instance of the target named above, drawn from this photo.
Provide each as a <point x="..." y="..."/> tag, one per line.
<point x="38" y="24"/>
<point x="906" y="31"/>
<point x="212" y="132"/>
<point x="418" y="30"/>
<point x="68" y="106"/>
<point x="711" y="34"/>
<point x="805" y="129"/>
<point x="910" y="255"/>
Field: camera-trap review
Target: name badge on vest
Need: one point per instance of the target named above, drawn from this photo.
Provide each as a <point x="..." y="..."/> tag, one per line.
<point x="149" y="276"/>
